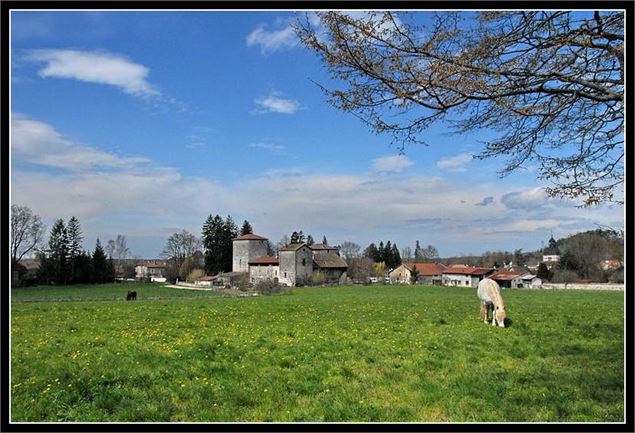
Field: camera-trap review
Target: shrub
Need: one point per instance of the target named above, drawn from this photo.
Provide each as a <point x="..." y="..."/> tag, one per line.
<point x="617" y="276"/>
<point x="564" y="276"/>
<point x="269" y="287"/>
<point x="319" y="277"/>
<point x="195" y="275"/>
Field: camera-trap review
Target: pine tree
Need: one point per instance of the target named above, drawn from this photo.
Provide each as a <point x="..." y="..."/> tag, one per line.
<point x="388" y="255"/>
<point x="246" y="229"/>
<point x="324" y="241"/>
<point x="396" y="257"/>
<point x="230" y="231"/>
<point x="309" y="240"/>
<point x="381" y="254"/>
<point x="58" y="250"/>
<point x="371" y="252"/>
<point x="75" y="238"/>
<point x="102" y="270"/>
<point x="212" y="243"/>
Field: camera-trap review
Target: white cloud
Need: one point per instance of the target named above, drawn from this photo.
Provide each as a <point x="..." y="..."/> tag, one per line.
<point x="95" y="67"/>
<point x="275" y="103"/>
<point x="455" y="163"/>
<point x="38" y="143"/>
<point x="533" y="198"/>
<point x="392" y="164"/>
<point x="143" y="202"/>
<point x="273" y="40"/>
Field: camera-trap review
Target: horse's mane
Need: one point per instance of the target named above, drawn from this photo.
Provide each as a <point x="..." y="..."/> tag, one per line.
<point x="496" y="296"/>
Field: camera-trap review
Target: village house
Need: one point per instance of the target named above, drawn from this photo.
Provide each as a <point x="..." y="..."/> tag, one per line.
<point x="551" y="254"/>
<point x="152" y="270"/>
<point x="465" y="276"/>
<point x="428" y="273"/>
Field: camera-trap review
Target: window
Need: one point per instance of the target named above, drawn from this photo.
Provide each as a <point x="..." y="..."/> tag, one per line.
<point x="303" y="262"/>
<point x="285" y="275"/>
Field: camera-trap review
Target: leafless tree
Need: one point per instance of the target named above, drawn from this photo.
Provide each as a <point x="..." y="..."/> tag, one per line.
<point x="180" y="246"/>
<point x="26" y="232"/>
<point x="349" y="249"/>
<point x="548" y="84"/>
<point x="360" y="269"/>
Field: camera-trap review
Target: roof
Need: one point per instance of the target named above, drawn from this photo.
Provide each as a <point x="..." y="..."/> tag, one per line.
<point x="467" y="270"/>
<point x="426" y="269"/>
<point x="293" y="247"/>
<point x="266" y="260"/>
<point x="154" y="265"/>
<point x="322" y="247"/>
<point x="329" y="260"/>
<point x="208" y="278"/>
<point x="250" y="237"/>
<point x="506" y="275"/>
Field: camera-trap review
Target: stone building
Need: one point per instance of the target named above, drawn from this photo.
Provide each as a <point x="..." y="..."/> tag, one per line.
<point x="247" y="248"/>
<point x="296" y="264"/>
<point x="265" y="268"/>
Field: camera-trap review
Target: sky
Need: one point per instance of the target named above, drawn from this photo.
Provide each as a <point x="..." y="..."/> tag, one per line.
<point x="144" y="123"/>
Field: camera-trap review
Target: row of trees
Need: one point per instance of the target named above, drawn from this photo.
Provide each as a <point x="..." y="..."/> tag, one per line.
<point x="62" y="260"/>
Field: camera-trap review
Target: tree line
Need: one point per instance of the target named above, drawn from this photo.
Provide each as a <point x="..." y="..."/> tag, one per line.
<point x="62" y="260"/>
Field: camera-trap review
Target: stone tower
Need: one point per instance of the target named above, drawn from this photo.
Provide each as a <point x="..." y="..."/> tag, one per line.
<point x="247" y="248"/>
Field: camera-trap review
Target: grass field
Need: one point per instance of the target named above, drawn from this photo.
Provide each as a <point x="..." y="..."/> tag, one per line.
<point x="371" y="354"/>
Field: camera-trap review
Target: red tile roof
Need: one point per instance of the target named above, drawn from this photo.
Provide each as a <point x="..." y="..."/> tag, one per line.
<point x="250" y="237"/>
<point x="467" y="270"/>
<point x="266" y="260"/>
<point x="505" y="275"/>
<point x="426" y="269"/>
<point x="208" y="278"/>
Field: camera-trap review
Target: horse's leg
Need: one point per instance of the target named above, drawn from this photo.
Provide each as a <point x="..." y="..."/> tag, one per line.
<point x="484" y="312"/>
<point x="493" y="315"/>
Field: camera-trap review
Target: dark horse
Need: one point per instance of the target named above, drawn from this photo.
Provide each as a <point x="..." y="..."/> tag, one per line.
<point x="132" y="295"/>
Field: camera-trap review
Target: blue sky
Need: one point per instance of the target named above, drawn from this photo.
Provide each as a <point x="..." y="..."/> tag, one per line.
<point x="144" y="123"/>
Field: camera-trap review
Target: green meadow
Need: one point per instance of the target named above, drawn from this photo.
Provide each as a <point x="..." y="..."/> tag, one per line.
<point x="352" y="353"/>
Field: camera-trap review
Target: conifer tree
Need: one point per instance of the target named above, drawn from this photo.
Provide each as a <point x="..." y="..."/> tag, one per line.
<point x="246" y="229"/>
<point x="58" y="252"/>
<point x="324" y="241"/>
<point x="309" y="240"/>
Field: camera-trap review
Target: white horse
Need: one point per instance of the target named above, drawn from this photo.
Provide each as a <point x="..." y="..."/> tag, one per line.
<point x="491" y="300"/>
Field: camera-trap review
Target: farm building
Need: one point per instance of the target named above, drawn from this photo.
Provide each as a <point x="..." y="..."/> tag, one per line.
<point x="266" y="268"/>
<point x="428" y="273"/>
<point x="331" y="265"/>
<point x="515" y="279"/>
<point x="464" y="276"/>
